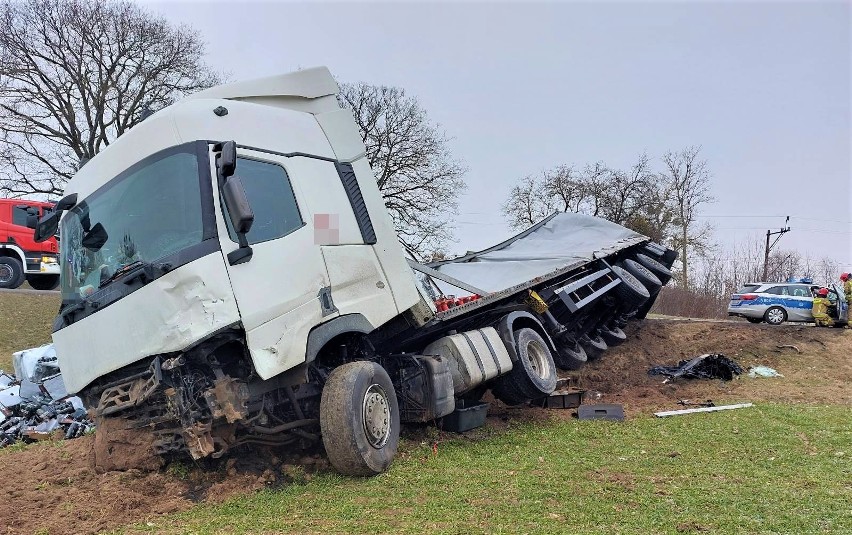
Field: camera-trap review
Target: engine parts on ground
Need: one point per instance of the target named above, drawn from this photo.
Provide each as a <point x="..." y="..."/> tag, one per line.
<point x="569" y="398"/>
<point x="468" y="415"/>
<point x="35" y="404"/>
<point x="663" y="414"/>
<point x="709" y="366"/>
<point x="763" y="371"/>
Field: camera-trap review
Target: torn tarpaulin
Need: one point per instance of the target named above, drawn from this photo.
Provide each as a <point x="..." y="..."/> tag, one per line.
<point x="710" y="366"/>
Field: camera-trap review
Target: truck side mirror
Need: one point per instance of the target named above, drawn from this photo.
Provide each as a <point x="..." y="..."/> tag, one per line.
<point x="66" y="202"/>
<point x="238" y="205"/>
<point x="227" y="161"/>
<point x="46" y="226"/>
<point x="32" y="221"/>
<point x="242" y="217"/>
<point x="95" y="238"/>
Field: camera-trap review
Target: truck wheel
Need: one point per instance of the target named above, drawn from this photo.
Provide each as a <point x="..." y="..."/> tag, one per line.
<point x="594" y="346"/>
<point x="648" y="279"/>
<point x="359" y="419"/>
<point x="11" y="272"/>
<point x="631" y="292"/>
<point x="662" y="272"/>
<point x="43" y="282"/>
<point x="569" y="354"/>
<point x="613" y="335"/>
<point x="533" y="375"/>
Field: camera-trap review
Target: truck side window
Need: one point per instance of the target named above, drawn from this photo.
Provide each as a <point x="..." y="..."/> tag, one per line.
<point x="19" y="216"/>
<point x="268" y="188"/>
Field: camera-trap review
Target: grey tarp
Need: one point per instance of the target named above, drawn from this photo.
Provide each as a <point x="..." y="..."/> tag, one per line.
<point x="559" y="241"/>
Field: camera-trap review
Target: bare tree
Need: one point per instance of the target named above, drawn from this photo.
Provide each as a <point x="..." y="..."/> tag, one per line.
<point x="686" y="177"/>
<point x="75" y="75"/>
<point x="526" y="205"/>
<point x="417" y="175"/>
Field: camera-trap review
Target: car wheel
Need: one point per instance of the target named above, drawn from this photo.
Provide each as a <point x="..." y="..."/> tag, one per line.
<point x="755" y="320"/>
<point x="533" y="375"/>
<point x="775" y="316"/>
<point x="359" y="419"/>
<point x="11" y="272"/>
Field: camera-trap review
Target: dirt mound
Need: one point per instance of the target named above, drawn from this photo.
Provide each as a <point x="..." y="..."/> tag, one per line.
<point x="815" y="364"/>
<point x="53" y="487"/>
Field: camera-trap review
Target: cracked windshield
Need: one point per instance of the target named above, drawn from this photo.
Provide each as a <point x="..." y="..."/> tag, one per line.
<point x="145" y="216"/>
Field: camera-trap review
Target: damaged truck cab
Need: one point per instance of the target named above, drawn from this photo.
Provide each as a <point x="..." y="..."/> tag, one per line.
<point x="230" y="275"/>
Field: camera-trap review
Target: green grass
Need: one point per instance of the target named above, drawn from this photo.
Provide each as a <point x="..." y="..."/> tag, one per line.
<point x="25" y="322"/>
<point x="769" y="469"/>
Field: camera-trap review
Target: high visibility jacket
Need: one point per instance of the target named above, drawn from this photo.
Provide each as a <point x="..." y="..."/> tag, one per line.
<point x="820" y="307"/>
<point x="847" y="289"/>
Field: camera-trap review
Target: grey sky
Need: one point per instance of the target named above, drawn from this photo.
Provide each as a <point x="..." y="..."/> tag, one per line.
<point x="521" y="87"/>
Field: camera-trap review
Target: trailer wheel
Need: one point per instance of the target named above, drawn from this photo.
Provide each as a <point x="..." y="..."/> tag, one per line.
<point x="533" y="375"/>
<point x="569" y="354"/>
<point x="43" y="282"/>
<point x="644" y="275"/>
<point x="613" y="335"/>
<point x="662" y="272"/>
<point x="359" y="419"/>
<point x="11" y="272"/>
<point x="631" y="292"/>
<point x="594" y="346"/>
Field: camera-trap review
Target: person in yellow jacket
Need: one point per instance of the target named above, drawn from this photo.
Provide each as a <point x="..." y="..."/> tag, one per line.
<point x="847" y="289"/>
<point x="820" y="308"/>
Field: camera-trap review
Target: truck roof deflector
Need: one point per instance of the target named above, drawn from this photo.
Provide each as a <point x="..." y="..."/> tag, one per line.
<point x="446" y="278"/>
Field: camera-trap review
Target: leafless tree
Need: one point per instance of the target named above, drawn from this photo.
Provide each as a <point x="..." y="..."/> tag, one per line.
<point x="417" y="175"/>
<point x="526" y="205"/>
<point x="75" y="75"/>
<point x="686" y="178"/>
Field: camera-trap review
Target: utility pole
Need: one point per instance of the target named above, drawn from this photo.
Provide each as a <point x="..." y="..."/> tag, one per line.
<point x="780" y="233"/>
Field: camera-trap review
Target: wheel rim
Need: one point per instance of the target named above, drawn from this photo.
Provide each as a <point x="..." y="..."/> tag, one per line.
<point x="775" y="315"/>
<point x="5" y="273"/>
<point x="537" y="358"/>
<point x="377" y="417"/>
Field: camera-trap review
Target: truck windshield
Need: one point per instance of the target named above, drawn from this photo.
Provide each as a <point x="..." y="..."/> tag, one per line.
<point x="145" y="214"/>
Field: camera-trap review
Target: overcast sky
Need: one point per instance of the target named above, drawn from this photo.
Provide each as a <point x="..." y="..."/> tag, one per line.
<point x="763" y="87"/>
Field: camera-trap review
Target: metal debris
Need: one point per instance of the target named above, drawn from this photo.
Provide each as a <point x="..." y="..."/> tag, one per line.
<point x="34" y="404"/>
<point x="702" y="409"/>
<point x="710" y="366"/>
<point x="763" y="371"/>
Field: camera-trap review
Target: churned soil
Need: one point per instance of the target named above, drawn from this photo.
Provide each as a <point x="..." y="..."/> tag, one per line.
<point x="84" y="486"/>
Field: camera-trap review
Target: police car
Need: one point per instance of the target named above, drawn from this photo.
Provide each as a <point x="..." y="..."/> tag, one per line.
<point x="777" y="302"/>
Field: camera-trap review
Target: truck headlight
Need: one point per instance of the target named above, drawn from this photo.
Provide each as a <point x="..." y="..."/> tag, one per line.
<point x="48" y="259"/>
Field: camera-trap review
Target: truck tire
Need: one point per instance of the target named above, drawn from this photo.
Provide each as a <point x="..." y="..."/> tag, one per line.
<point x="648" y="279"/>
<point x="613" y="335"/>
<point x="662" y="272"/>
<point x="569" y="354"/>
<point x="11" y="272"/>
<point x="359" y="419"/>
<point x="43" y="282"/>
<point x="594" y="346"/>
<point x="533" y="376"/>
<point x="630" y="292"/>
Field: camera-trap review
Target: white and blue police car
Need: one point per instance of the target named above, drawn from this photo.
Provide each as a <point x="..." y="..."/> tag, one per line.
<point x="777" y="302"/>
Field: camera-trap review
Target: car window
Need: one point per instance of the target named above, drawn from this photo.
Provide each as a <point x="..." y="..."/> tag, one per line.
<point x="748" y="288"/>
<point x="801" y="291"/>
<point x="777" y="290"/>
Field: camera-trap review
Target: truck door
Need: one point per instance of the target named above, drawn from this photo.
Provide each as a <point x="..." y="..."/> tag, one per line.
<point x="280" y="291"/>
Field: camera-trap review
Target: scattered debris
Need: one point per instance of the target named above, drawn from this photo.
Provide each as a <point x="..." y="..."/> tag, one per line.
<point x="789" y="346"/>
<point x="709" y="366"/>
<point x="703" y="409"/>
<point x="687" y="403"/>
<point x="763" y="371"/>
<point x="34" y="404"/>
<point x="601" y="411"/>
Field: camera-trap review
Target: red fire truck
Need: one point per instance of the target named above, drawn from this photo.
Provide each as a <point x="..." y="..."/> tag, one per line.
<point x="21" y="258"/>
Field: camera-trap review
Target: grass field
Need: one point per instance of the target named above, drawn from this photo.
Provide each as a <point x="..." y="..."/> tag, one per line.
<point x="769" y="469"/>
<point x="26" y="320"/>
